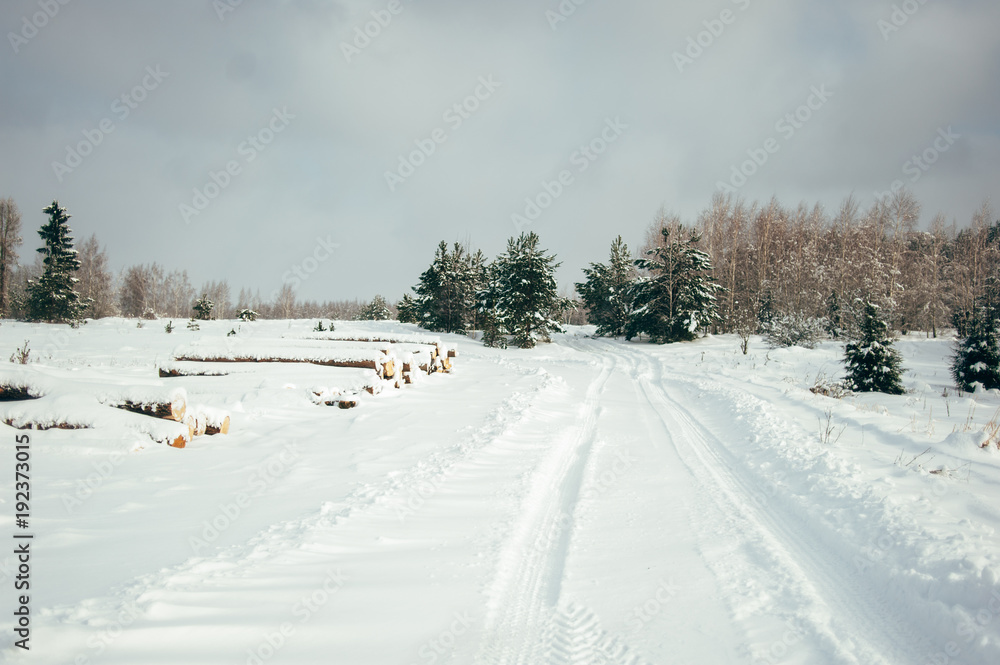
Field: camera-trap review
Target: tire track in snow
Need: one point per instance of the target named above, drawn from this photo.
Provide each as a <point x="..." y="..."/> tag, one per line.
<point x="239" y="562"/>
<point x="858" y="627"/>
<point x="526" y="622"/>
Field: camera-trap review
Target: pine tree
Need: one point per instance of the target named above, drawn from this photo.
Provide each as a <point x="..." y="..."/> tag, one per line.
<point x="873" y="363"/>
<point x="376" y="310"/>
<point x="488" y="307"/>
<point x="203" y="308"/>
<point x="53" y="297"/>
<point x="977" y="356"/>
<point x="446" y="295"/>
<point x="607" y="293"/>
<point x="679" y="296"/>
<point x="528" y="304"/>
<point x="408" y="309"/>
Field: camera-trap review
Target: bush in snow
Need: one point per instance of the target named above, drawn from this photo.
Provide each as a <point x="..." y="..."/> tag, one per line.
<point x="794" y="330"/>
<point x="248" y="315"/>
<point x="169" y="328"/>
<point x="873" y="363"/>
<point x="977" y="357"/>
<point x="21" y="356"/>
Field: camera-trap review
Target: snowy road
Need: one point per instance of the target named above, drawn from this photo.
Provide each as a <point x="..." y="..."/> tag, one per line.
<point x="585" y="502"/>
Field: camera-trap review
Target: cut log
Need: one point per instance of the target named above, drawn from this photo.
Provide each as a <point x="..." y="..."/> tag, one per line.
<point x="16" y="393"/>
<point x="218" y="427"/>
<point x="41" y="427"/>
<point x="172" y="410"/>
<point x="176" y="372"/>
<point x="197" y="423"/>
<point x="437" y="346"/>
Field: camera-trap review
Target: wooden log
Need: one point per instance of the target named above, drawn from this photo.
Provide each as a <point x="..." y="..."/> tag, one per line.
<point x="172" y="410"/>
<point x="214" y="427"/>
<point x="176" y="372"/>
<point x="355" y="364"/>
<point x="13" y="393"/>
<point x="197" y="423"/>
<point x="41" y="427"/>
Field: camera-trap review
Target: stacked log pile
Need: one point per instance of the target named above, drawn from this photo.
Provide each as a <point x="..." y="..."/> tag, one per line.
<point x="45" y="402"/>
<point x="389" y="361"/>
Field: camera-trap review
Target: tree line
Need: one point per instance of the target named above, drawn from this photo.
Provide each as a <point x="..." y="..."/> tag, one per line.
<point x="791" y="274"/>
<point x="80" y="283"/>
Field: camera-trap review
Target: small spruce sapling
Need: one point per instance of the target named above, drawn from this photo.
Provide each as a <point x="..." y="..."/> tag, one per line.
<point x="873" y="363"/>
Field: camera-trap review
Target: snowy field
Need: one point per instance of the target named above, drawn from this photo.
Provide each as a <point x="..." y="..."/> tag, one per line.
<point x="588" y="501"/>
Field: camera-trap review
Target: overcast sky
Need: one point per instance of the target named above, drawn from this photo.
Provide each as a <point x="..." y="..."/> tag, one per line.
<point x="124" y="110"/>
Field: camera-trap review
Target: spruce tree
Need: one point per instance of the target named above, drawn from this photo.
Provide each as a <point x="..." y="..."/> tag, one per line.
<point x="977" y="356"/>
<point x="446" y="295"/>
<point x="607" y="293"/>
<point x="376" y="310"/>
<point x="408" y="309"/>
<point x="873" y="363"/>
<point x="488" y="307"/>
<point x="678" y="297"/>
<point x="203" y="308"/>
<point x="53" y="297"/>
<point x="528" y="301"/>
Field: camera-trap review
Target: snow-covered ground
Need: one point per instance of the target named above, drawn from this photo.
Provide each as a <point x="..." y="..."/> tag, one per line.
<point x="588" y="501"/>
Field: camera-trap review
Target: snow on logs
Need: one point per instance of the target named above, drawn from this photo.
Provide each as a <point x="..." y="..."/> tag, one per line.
<point x="168" y="405"/>
<point x="383" y="364"/>
<point x="163" y="408"/>
<point x="438" y="353"/>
